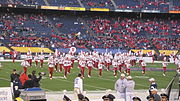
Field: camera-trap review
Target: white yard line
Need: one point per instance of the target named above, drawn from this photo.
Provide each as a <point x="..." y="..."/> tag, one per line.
<point x="83" y="84"/>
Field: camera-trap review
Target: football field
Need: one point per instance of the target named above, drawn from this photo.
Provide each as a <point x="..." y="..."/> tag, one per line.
<point x="107" y="81"/>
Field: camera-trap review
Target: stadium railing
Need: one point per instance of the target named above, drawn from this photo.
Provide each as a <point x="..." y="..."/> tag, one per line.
<point x="173" y="88"/>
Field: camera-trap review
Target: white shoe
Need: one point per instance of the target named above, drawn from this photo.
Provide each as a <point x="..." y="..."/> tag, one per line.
<point x="164" y="74"/>
<point x="50" y="78"/>
<point x="115" y="76"/>
<point x="89" y="76"/>
<point x="65" y="77"/>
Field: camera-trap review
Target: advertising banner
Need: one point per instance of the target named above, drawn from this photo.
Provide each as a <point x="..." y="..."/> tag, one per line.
<point x="5" y="94"/>
<point x="75" y="8"/>
<point x="100" y="9"/>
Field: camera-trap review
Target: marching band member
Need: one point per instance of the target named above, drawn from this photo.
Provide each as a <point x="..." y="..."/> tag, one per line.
<point x="25" y="64"/>
<point x="82" y="64"/>
<point x="128" y="65"/>
<point x="164" y="65"/>
<point x="29" y="57"/>
<point x="120" y="64"/>
<point x="36" y="59"/>
<point x="66" y="64"/>
<point x="41" y="57"/>
<point x="14" y="55"/>
<point x="143" y="64"/>
<point x="56" y="60"/>
<point x="89" y="66"/>
<point x="140" y="60"/>
<point x="115" y="66"/>
<point x="61" y="59"/>
<point x="107" y="62"/>
<point x="100" y="66"/>
<point x="51" y="64"/>
<point x="164" y="59"/>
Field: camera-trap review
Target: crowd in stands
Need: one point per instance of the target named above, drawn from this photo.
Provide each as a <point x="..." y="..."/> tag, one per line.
<point x="137" y="33"/>
<point x="156" y="4"/>
<point x="161" y="5"/>
<point x="97" y="4"/>
<point x="39" y="30"/>
<point x="23" y="30"/>
<point x="176" y="5"/>
<point x="66" y="3"/>
<point x="29" y="2"/>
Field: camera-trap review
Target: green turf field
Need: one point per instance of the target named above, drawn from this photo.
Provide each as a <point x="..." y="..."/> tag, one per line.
<point x="94" y="83"/>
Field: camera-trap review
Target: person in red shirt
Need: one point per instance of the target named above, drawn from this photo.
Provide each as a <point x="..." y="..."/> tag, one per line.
<point x="23" y="77"/>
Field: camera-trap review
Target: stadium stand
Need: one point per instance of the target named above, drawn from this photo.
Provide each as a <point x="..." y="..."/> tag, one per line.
<point x="37" y="30"/>
<point x="67" y="3"/>
<point x="97" y="3"/>
<point x="128" y="4"/>
<point x="29" y="2"/>
<point x="135" y="5"/>
<point x="155" y="4"/>
<point x="58" y="27"/>
<point x="138" y="33"/>
<point x="25" y="30"/>
<point x="176" y="5"/>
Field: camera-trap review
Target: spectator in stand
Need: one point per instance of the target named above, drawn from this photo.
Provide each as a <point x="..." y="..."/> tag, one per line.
<point x="113" y="32"/>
